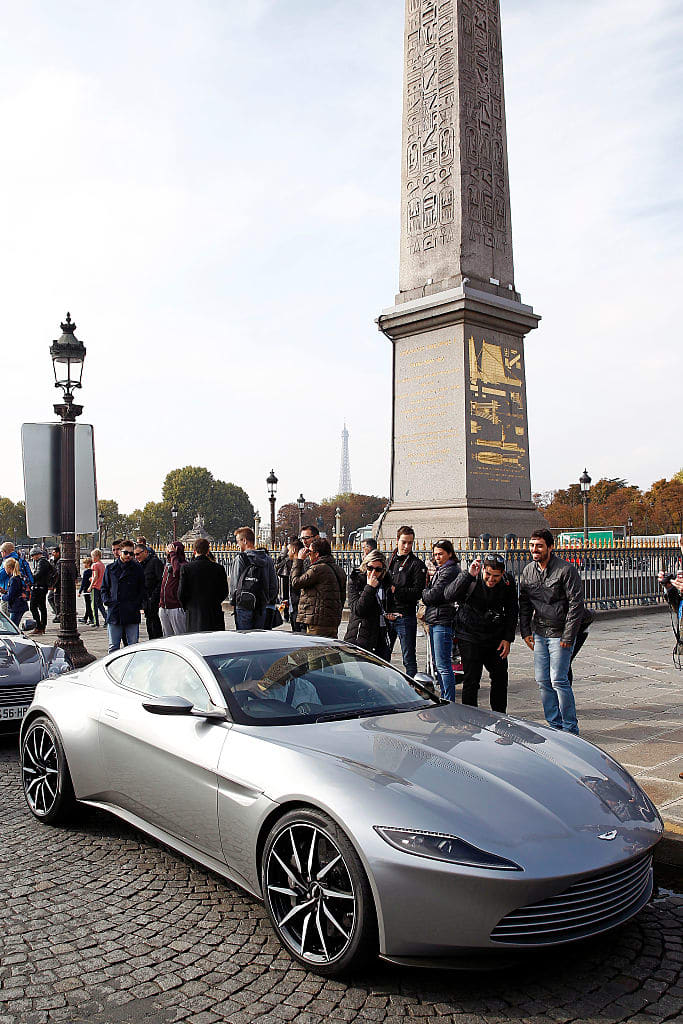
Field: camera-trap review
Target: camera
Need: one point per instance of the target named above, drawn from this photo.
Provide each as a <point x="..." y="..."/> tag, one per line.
<point x="667" y="578"/>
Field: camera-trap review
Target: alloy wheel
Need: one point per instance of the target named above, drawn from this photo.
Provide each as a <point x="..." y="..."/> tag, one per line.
<point x="311" y="894"/>
<point x="40" y="771"/>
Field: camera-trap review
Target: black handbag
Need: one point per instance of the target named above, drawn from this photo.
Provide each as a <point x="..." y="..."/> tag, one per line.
<point x="273" y="617"/>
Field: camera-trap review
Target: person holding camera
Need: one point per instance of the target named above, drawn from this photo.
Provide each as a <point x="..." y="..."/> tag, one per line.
<point x="321" y="588"/>
<point x="439" y="612"/>
<point x="673" y="587"/>
<point x="485" y="624"/>
<point x="371" y="606"/>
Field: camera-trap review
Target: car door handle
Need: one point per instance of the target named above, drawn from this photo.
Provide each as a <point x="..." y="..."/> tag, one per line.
<point x="111" y="713"/>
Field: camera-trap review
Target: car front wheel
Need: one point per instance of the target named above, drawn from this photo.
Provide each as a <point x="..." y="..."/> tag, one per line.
<point x="317" y="894"/>
<point x="45" y="774"/>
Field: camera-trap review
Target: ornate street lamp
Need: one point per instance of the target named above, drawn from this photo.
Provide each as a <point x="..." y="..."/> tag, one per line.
<point x="174" y="517"/>
<point x="585" y="485"/>
<point x="272" y="491"/>
<point x="300" y="504"/>
<point x="68" y="355"/>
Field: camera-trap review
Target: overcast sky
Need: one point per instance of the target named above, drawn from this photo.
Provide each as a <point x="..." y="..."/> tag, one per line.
<point x="211" y="187"/>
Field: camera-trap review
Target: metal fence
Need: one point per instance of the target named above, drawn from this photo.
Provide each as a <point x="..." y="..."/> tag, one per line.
<point x="616" y="576"/>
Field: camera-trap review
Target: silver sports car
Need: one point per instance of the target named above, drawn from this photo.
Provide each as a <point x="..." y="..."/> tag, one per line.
<point x="365" y="812"/>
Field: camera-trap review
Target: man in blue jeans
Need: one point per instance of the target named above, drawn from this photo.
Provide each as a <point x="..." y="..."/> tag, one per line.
<point x="123" y="592"/>
<point x="409" y="576"/>
<point x="551" y="609"/>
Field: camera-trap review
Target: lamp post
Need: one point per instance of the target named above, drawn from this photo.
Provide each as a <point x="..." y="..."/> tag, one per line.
<point x="257" y="527"/>
<point x="271" y="480"/>
<point x="337" y="526"/>
<point x="100" y="527"/>
<point x="300" y="504"/>
<point x="174" y="517"/>
<point x="585" y="485"/>
<point x="629" y="527"/>
<point x="68" y="356"/>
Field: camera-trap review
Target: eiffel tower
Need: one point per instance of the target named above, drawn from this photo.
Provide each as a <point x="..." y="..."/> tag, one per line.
<point x="345" y="467"/>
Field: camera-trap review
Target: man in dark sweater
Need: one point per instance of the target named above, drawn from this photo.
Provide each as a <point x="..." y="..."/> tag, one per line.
<point x="154" y="571"/>
<point x="409" y="578"/>
<point x="485" y="627"/>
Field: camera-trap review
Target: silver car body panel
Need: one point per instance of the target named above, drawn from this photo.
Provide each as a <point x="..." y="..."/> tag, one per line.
<point x="525" y="792"/>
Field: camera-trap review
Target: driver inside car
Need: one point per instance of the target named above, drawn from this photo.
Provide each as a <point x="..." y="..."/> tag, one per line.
<point x="281" y="681"/>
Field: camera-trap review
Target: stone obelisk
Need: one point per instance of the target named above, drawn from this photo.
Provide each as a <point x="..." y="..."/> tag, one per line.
<point x="460" y="446"/>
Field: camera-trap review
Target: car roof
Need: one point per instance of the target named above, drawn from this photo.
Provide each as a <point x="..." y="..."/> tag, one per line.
<point x="232" y="641"/>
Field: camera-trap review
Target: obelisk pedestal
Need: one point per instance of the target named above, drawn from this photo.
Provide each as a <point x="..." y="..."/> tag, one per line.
<point x="460" y="448"/>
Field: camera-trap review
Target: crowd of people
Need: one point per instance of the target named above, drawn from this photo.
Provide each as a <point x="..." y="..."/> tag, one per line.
<point x="476" y="611"/>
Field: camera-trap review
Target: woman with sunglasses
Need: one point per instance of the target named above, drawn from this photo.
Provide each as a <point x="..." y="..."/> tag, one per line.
<point x="370" y="604"/>
<point x="439" y="613"/>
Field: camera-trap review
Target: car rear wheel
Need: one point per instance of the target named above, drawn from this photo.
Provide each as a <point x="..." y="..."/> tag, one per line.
<point x="45" y="774"/>
<point x="317" y="894"/>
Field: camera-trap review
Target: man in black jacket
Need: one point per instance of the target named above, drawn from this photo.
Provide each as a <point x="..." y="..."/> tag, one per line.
<point x="409" y="578"/>
<point x="203" y="588"/>
<point x="123" y="591"/>
<point x="43" y="576"/>
<point x="485" y="625"/>
<point x="154" y="571"/>
<point x="551" y="611"/>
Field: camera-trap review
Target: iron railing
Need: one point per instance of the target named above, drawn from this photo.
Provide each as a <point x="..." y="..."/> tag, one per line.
<point x="614" y="576"/>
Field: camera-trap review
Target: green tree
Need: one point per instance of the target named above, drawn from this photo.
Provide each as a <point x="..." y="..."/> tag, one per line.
<point x="195" y="491"/>
<point x="113" y="522"/>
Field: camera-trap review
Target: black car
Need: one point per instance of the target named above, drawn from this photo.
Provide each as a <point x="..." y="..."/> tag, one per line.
<point x="23" y="663"/>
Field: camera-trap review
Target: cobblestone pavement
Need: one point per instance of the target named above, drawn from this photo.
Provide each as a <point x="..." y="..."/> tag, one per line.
<point x="103" y="925"/>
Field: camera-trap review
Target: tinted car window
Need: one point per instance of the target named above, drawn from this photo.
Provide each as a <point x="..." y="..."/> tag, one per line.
<point x="161" y="674"/>
<point x="7" y="627"/>
<point x="278" y="687"/>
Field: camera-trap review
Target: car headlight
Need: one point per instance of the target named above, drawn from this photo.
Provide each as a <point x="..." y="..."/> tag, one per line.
<point x="438" y="846"/>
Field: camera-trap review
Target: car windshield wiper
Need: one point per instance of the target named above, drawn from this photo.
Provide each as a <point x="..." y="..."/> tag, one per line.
<point x="390" y="709"/>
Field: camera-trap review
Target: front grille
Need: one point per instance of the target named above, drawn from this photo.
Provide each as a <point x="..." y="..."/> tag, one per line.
<point x="11" y="695"/>
<point x="587" y="907"/>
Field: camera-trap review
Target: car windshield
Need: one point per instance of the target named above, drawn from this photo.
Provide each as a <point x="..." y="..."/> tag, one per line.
<point x="7" y="627"/>
<point x="312" y="684"/>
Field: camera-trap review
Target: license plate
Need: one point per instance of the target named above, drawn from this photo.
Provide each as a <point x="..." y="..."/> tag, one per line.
<point x="13" y="714"/>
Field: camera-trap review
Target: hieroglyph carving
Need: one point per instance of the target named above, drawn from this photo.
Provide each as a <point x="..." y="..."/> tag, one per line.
<point x="454" y="156"/>
<point x="430" y="141"/>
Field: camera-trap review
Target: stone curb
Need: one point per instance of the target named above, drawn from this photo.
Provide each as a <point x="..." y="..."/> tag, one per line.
<point x="669" y="851"/>
<point x="602" y="615"/>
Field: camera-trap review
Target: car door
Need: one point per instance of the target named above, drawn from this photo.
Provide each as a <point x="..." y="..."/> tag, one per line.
<point x="162" y="768"/>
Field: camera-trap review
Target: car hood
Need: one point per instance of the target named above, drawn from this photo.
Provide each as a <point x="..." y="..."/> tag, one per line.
<point x="22" y="660"/>
<point x="493" y="777"/>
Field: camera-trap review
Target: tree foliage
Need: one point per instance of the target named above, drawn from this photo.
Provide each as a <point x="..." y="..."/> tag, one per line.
<point x="613" y="501"/>
<point x="195" y="491"/>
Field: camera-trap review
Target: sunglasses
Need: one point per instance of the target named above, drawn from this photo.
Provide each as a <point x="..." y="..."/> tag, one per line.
<point x="495" y="563"/>
<point x="379" y="569"/>
<point x="126" y="551"/>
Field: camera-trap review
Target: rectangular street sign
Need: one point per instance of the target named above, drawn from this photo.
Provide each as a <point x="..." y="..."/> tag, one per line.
<point x="41" y="451"/>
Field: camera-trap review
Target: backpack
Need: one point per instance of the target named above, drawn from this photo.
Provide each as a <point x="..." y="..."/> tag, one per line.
<point x="25" y="579"/>
<point x="251" y="594"/>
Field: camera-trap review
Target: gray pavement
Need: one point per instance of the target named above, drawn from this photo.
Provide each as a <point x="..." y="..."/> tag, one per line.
<point x="102" y="925"/>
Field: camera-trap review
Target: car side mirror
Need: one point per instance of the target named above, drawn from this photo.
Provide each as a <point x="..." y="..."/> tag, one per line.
<point x="181" y="706"/>
<point x="426" y="681"/>
<point x="168" y="706"/>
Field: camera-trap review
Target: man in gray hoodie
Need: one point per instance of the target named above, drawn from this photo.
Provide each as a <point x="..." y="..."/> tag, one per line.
<point x="253" y="582"/>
